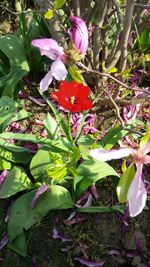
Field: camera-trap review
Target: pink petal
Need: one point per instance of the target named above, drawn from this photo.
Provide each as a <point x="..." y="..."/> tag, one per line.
<point x="45" y="43"/>
<point x="90" y="263"/>
<point x="39" y="192"/>
<point x="104" y="155"/>
<point x="49" y="48"/>
<point x="3" y="176"/>
<point x="58" y="70"/>
<point x="137" y="193"/>
<point x="147" y="160"/>
<point x="45" y="82"/>
<point x="146" y="148"/>
<point x="48" y="54"/>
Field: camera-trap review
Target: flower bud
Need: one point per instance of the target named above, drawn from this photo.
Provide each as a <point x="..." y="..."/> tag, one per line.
<point x="79" y="34"/>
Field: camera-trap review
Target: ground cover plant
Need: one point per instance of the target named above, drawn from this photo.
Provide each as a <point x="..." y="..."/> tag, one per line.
<point x="75" y="133"/>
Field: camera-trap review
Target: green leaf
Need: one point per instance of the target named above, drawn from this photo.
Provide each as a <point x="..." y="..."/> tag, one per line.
<point x="57" y="169"/>
<point x="40" y="162"/>
<point x="59" y="3"/>
<point x="75" y="73"/>
<point x="51" y="126"/>
<point x="22" y="216"/>
<point x="124" y="183"/>
<point x="8" y="108"/>
<point x="49" y="14"/>
<point x="145" y="139"/>
<point x="112" y="70"/>
<point x="11" y="80"/>
<point x="16" y="181"/>
<point x="91" y="171"/>
<point x="17" y="157"/>
<point x="19" y="245"/>
<point x="13" y="48"/>
<point x="85" y="143"/>
<point x="59" y="119"/>
<point x="145" y="40"/>
<point x="112" y="137"/>
<point x="4" y="164"/>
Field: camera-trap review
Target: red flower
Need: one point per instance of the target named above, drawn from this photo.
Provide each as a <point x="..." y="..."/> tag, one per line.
<point x="73" y="96"/>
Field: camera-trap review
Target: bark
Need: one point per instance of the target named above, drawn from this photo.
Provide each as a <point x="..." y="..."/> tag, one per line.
<point x="121" y="50"/>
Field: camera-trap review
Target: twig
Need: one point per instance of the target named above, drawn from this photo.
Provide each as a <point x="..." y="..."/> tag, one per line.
<point x="142" y="6"/>
<point x="115" y="105"/>
<point x="112" y="78"/>
<point x="18" y="13"/>
<point x="118" y="9"/>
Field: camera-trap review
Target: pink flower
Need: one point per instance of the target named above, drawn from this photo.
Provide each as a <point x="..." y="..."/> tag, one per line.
<point x="137" y="194"/>
<point x="51" y="49"/>
<point x="79" y="34"/>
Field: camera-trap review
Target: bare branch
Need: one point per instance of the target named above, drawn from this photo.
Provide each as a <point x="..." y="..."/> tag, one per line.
<point x="112" y="78"/>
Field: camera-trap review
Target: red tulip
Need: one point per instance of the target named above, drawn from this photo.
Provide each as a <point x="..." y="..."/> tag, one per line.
<point x="73" y="96"/>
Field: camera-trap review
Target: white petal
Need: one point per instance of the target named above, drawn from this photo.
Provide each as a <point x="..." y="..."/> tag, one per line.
<point x="105" y="155"/>
<point x="146" y="148"/>
<point x="46" y="81"/>
<point x="137" y="193"/>
<point x="48" y="54"/>
<point x="58" y="70"/>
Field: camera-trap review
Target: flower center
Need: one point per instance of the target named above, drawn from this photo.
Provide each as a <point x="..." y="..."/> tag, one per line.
<point x="72" y="100"/>
<point x="138" y="157"/>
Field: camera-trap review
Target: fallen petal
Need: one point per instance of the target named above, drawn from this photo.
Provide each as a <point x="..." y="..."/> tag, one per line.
<point x="56" y="235"/>
<point x="90" y="263"/>
<point x="3" y="176"/>
<point x="39" y="192"/>
<point x="3" y="241"/>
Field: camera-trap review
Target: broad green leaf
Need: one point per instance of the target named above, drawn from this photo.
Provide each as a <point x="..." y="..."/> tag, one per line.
<point x="75" y="73"/>
<point x="59" y="3"/>
<point x="12" y="147"/>
<point x="49" y="14"/>
<point x="40" y="163"/>
<point x="22" y="216"/>
<point x="124" y="183"/>
<point x="145" y="40"/>
<point x="8" y="108"/>
<point x="90" y="172"/>
<point x="85" y="143"/>
<point x="16" y="181"/>
<point x="145" y="139"/>
<point x="59" y="119"/>
<point x="12" y="79"/>
<point x="51" y="126"/>
<point x="19" y="245"/>
<point x="112" y="137"/>
<point x="16" y="157"/>
<point x="13" y="48"/>
<point x="4" y="164"/>
<point x="48" y="165"/>
<point x="20" y="115"/>
<point x="26" y="137"/>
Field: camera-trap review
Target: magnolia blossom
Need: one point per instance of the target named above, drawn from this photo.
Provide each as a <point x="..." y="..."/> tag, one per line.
<point x="51" y="49"/>
<point x="79" y="34"/>
<point x="137" y="193"/>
